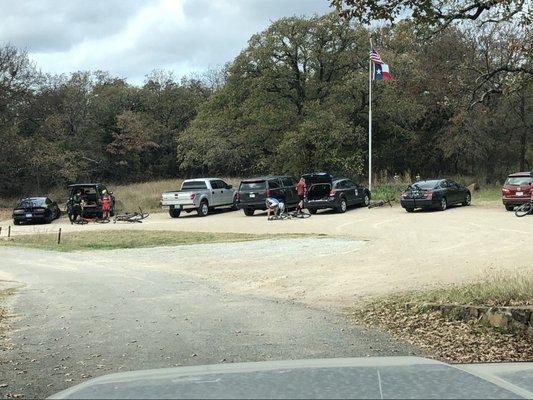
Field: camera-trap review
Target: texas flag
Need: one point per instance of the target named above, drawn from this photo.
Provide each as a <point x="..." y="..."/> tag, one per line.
<point x="381" y="72"/>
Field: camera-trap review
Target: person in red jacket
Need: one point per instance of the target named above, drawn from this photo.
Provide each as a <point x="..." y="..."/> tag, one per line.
<point x="301" y="188"/>
<point x="106" y="204"/>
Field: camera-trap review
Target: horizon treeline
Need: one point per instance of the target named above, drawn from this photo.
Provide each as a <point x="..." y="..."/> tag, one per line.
<point x="294" y="100"/>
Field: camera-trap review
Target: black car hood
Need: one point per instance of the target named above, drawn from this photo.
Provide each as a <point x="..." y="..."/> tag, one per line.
<point x="380" y="377"/>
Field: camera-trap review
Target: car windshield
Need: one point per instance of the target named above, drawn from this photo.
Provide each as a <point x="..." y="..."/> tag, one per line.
<point x="32" y="202"/>
<point x="253" y="185"/>
<point x="425" y="185"/>
<point x="193" y="185"/>
<point x="519" y="180"/>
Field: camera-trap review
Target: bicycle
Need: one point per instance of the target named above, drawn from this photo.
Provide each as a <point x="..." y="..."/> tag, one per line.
<point x="85" y="220"/>
<point x="290" y="215"/>
<point x="524" y="209"/>
<point x="131" y="217"/>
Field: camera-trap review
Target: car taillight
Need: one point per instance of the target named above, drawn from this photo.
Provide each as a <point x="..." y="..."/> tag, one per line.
<point x="405" y="194"/>
<point x="18" y="211"/>
<point x="237" y="196"/>
<point x="428" y="195"/>
<point x="193" y="195"/>
<point x="505" y="190"/>
<point x="332" y="192"/>
<point x="268" y="193"/>
<point x="39" y="210"/>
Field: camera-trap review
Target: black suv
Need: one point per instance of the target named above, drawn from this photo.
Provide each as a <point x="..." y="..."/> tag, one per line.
<point x="90" y="194"/>
<point x="253" y="192"/>
<point x="325" y="191"/>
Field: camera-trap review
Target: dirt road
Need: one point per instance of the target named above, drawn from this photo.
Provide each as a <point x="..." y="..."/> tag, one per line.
<point x="82" y="315"/>
<point x="394" y="251"/>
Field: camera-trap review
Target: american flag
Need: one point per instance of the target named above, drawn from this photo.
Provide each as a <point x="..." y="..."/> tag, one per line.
<point x="374" y="56"/>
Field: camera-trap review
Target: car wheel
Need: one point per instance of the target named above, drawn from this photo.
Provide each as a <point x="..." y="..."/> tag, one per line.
<point x="342" y="206"/>
<point x="509" y="207"/>
<point x="49" y="219"/>
<point x="15" y="222"/>
<point x="409" y="210"/>
<point x="468" y="200"/>
<point x="249" y="211"/>
<point x="312" y="211"/>
<point x="203" y="210"/>
<point x="174" y="212"/>
<point x="443" y="204"/>
<point x="366" y="200"/>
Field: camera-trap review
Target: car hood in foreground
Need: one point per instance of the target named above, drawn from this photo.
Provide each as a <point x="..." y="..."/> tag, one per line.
<point x="383" y="377"/>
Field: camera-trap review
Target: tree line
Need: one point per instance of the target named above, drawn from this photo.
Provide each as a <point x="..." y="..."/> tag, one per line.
<point x="294" y="100"/>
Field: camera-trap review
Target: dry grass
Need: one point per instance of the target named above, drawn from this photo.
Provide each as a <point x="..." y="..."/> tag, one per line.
<point x="499" y="290"/>
<point x="127" y="239"/>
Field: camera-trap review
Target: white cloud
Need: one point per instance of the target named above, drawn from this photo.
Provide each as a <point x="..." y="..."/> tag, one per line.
<point x="129" y="39"/>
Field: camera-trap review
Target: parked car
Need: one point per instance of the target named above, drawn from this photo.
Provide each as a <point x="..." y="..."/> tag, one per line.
<point x="201" y="195"/>
<point x="324" y="191"/>
<point x="435" y="193"/>
<point x="253" y="192"/>
<point x="35" y="209"/>
<point x="517" y="189"/>
<point x="90" y="195"/>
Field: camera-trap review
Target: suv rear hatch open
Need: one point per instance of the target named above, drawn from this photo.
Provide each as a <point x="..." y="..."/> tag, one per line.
<point x="319" y="186"/>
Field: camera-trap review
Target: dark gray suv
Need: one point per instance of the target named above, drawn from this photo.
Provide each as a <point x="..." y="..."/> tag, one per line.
<point x="253" y="192"/>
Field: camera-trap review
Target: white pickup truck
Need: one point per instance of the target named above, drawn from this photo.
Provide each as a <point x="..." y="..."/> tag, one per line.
<point x="202" y="195"/>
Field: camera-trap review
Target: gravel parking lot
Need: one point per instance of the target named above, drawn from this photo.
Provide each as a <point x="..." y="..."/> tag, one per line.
<point x="393" y="251"/>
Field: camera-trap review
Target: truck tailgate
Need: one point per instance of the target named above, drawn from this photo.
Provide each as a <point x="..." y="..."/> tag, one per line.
<point x="177" y="198"/>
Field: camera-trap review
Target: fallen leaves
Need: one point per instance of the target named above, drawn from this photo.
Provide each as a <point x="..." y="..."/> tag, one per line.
<point x="445" y="339"/>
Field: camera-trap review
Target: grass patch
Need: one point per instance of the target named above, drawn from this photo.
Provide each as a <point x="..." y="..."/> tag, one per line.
<point x="129" y="239"/>
<point x="496" y="291"/>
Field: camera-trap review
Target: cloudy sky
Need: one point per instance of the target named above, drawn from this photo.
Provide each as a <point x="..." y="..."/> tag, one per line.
<point x="130" y="38"/>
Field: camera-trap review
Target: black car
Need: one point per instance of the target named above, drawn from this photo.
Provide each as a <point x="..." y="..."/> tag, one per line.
<point x="324" y="191"/>
<point x="253" y="192"/>
<point x="36" y="209"/>
<point x="90" y="195"/>
<point x="435" y="193"/>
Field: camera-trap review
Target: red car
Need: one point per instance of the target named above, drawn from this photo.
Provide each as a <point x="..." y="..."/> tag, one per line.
<point x="517" y="189"/>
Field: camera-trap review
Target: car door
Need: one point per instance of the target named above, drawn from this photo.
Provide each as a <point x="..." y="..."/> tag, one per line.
<point x="353" y="193"/>
<point x="276" y="189"/>
<point x="216" y="193"/>
<point x="455" y="192"/>
<point x="340" y="189"/>
<point x="227" y="192"/>
<point x="289" y="187"/>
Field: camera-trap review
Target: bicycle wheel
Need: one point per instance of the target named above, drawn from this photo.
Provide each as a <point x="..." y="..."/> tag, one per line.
<point x="524" y="209"/>
<point x="302" y="214"/>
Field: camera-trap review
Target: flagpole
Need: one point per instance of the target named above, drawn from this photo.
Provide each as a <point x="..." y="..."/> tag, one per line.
<point x="370" y="121"/>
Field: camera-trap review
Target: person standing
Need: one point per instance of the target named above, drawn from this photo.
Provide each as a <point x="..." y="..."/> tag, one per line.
<point x="75" y="210"/>
<point x="106" y="204"/>
<point x="301" y="189"/>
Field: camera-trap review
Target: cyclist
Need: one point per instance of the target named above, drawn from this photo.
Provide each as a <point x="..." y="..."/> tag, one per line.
<point x="75" y="209"/>
<point x="274" y="206"/>
<point x="301" y="189"/>
<point x="106" y="204"/>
